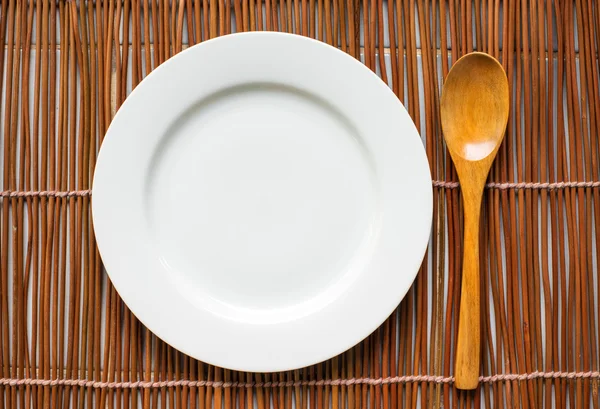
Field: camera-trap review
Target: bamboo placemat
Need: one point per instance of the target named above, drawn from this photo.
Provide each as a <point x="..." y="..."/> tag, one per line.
<point x="67" y="339"/>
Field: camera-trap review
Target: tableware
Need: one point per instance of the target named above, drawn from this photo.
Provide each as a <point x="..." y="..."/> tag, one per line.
<point x="474" y="113"/>
<point x="262" y="201"/>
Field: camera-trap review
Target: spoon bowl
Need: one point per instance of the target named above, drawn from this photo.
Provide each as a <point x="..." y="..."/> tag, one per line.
<point x="474" y="113"/>
<point x="475" y="106"/>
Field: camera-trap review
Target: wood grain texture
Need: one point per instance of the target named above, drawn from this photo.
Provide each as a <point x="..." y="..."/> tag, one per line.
<point x="474" y="111"/>
<point x="67" y="339"/>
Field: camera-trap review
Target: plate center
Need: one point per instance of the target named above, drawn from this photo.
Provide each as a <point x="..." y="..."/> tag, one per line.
<point x="261" y="197"/>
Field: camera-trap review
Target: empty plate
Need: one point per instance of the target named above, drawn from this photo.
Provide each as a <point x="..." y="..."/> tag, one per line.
<point x="262" y="201"/>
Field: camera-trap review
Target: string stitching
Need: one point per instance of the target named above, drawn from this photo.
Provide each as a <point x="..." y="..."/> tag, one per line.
<point x="436" y="183"/>
<point x="11" y="382"/>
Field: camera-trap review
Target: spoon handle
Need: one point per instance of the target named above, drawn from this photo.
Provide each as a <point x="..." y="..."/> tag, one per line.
<point x="468" y="344"/>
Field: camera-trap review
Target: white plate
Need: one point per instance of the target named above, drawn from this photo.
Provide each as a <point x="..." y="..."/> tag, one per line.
<point x="262" y="201"/>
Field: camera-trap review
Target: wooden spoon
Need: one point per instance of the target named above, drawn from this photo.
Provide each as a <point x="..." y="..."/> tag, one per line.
<point x="474" y="113"/>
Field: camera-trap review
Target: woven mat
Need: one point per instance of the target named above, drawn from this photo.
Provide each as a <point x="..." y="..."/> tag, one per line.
<point x="67" y="339"/>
